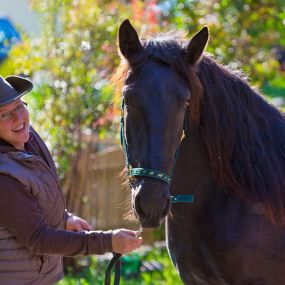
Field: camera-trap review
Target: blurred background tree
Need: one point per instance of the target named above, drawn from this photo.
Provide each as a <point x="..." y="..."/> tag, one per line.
<point x="71" y="63"/>
<point x="245" y="34"/>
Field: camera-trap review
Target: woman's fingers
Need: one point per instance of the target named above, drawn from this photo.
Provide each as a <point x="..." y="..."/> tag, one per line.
<point x="84" y="225"/>
<point x="124" y="241"/>
<point x="75" y="223"/>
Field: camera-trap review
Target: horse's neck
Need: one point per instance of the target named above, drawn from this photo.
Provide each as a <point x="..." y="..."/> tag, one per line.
<point x="192" y="171"/>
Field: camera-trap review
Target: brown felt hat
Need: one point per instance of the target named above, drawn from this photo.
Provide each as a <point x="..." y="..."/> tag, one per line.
<point x="12" y="88"/>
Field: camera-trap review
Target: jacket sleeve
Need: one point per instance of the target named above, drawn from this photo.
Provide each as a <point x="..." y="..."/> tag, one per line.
<point x="22" y="216"/>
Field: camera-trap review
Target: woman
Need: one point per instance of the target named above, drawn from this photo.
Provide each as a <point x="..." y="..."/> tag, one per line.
<point x="35" y="229"/>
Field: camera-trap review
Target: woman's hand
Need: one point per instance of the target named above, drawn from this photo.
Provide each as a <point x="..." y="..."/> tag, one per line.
<point x="124" y="241"/>
<point x="76" y="224"/>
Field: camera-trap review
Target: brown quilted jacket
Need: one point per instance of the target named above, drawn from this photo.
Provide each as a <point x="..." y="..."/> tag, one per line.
<point x="33" y="216"/>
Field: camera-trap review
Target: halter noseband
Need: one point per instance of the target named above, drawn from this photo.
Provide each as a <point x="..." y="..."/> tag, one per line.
<point x="150" y="173"/>
<point x="146" y="172"/>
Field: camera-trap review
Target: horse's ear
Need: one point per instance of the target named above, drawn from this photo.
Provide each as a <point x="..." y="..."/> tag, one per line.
<point x="129" y="42"/>
<point x="197" y="45"/>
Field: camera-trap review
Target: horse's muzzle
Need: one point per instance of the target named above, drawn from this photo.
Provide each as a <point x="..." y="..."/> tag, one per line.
<point x="151" y="202"/>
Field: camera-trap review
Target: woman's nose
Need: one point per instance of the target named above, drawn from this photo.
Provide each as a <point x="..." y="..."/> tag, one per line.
<point x="17" y="115"/>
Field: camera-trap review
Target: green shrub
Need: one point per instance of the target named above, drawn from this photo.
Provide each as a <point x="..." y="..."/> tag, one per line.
<point x="94" y="272"/>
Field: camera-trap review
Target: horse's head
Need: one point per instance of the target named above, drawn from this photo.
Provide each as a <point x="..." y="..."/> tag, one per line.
<point x="155" y="95"/>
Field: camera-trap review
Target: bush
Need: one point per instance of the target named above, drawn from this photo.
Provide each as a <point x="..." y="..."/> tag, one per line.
<point x="156" y="268"/>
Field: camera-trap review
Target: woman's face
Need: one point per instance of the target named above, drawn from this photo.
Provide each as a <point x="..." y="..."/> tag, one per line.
<point x="14" y="124"/>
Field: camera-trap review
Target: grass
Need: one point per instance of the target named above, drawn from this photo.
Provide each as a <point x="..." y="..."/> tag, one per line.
<point x="148" y="266"/>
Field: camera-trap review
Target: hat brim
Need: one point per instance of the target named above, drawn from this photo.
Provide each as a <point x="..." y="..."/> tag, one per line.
<point x="21" y="86"/>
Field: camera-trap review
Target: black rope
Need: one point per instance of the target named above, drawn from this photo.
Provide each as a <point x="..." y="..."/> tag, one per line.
<point x="117" y="262"/>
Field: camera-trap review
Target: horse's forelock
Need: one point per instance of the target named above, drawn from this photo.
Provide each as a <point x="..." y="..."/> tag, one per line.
<point x="118" y="78"/>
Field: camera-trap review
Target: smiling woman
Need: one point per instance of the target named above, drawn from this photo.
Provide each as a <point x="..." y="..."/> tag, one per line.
<point x="14" y="117"/>
<point x="35" y="229"/>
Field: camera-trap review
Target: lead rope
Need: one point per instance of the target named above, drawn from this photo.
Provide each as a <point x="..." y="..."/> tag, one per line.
<point x="115" y="261"/>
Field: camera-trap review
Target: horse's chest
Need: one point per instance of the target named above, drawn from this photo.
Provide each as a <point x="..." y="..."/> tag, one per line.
<point x="192" y="256"/>
<point x="219" y="248"/>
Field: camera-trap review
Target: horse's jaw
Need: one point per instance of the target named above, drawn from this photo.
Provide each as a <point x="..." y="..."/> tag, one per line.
<point x="150" y="224"/>
<point x="146" y="223"/>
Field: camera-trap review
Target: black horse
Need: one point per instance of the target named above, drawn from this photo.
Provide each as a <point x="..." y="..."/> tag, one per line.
<point x="231" y="158"/>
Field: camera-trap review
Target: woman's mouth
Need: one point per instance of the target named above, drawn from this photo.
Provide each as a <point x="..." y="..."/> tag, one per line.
<point x="19" y="129"/>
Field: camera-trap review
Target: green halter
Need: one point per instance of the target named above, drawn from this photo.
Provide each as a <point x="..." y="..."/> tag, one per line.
<point x="146" y="172"/>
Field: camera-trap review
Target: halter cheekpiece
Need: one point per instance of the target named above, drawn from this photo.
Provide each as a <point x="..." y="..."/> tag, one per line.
<point x="146" y="172"/>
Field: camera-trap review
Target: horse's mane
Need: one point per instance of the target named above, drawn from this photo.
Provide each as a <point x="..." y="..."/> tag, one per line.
<point x="245" y="139"/>
<point x="243" y="134"/>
